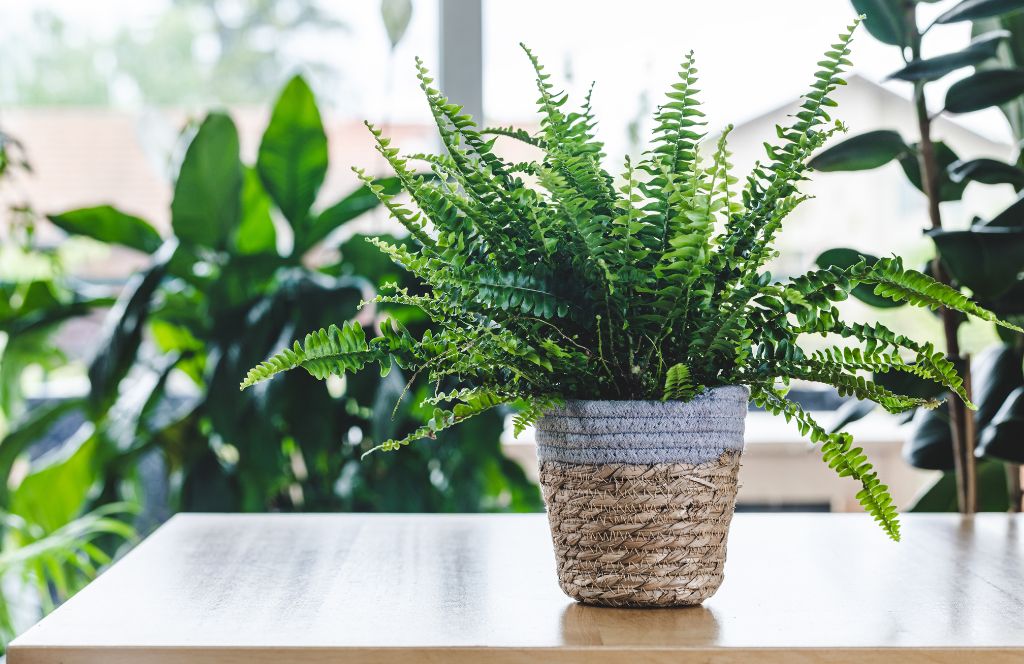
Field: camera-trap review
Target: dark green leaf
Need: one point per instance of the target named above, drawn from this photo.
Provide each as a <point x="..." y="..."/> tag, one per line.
<point x="206" y="202"/>
<point x="948" y="190"/>
<point x="989" y="87"/>
<point x="862" y="152"/>
<point x="123" y="332"/>
<point x="358" y="202"/>
<point x="980" y="49"/>
<point x="110" y="225"/>
<point x="209" y="487"/>
<point x="56" y="488"/>
<point x="986" y="260"/>
<point x="883" y="19"/>
<point x="843" y="257"/>
<point x="1008" y="304"/>
<point x="901" y="382"/>
<point x="27" y="432"/>
<point x="986" y="171"/>
<point x="995" y="372"/>
<point x="1010" y="54"/>
<point x="1004" y="438"/>
<point x="24" y="321"/>
<point x="969" y="10"/>
<point x="992" y="493"/>
<point x="929" y="444"/>
<point x="292" y="159"/>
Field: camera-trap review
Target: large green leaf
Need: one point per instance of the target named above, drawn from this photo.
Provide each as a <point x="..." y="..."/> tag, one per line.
<point x="34" y="317"/>
<point x="31" y="429"/>
<point x="844" y="257"/>
<point x="1004" y="438"/>
<point x="292" y="159"/>
<point x="108" y="224"/>
<point x="863" y="152"/>
<point x="883" y="19"/>
<point x="55" y="490"/>
<point x="1010" y="54"/>
<point x="986" y="260"/>
<point x="948" y="190"/>
<point x="122" y="333"/>
<point x="986" y="171"/>
<point x="205" y="209"/>
<point x="995" y="373"/>
<point x="992" y="493"/>
<point x="255" y="234"/>
<point x="989" y="87"/>
<point x="970" y="10"/>
<point x="358" y="202"/>
<point x="1008" y="305"/>
<point x="980" y="49"/>
<point x="929" y="444"/>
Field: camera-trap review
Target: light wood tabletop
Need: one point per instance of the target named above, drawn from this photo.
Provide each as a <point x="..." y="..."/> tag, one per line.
<point x="359" y="588"/>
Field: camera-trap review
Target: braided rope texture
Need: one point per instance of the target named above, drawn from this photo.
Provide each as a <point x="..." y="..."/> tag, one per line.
<point x="640" y="535"/>
<point x="640" y="496"/>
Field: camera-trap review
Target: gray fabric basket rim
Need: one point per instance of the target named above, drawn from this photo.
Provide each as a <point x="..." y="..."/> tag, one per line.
<point x="658" y="408"/>
<point x="623" y="431"/>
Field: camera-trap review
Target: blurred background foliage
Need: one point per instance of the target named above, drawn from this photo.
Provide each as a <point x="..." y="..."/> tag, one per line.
<point x="979" y="452"/>
<point x="228" y="52"/>
<point x="253" y="257"/>
<point x="251" y="263"/>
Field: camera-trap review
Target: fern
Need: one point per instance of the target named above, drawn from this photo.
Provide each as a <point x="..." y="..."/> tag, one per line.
<point x="549" y="280"/>
<point x="678" y="384"/>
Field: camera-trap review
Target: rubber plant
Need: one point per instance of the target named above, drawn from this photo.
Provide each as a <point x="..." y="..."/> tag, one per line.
<point x="557" y="288"/>
<point x="985" y="259"/>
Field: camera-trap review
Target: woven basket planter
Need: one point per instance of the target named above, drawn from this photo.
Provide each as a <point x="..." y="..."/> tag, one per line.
<point x="640" y="495"/>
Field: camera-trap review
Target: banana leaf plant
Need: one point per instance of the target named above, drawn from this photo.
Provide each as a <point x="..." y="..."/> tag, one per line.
<point x="48" y="554"/>
<point x="216" y="297"/>
<point x="979" y="453"/>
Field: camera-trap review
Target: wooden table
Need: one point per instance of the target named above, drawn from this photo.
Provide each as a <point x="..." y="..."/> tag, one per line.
<point x="439" y="589"/>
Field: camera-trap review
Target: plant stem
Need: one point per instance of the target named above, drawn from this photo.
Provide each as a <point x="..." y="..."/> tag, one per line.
<point x="960" y="418"/>
<point x="1013" y="487"/>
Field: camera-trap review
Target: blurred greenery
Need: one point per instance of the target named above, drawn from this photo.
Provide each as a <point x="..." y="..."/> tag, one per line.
<point x="164" y="426"/>
<point x="225" y="52"/>
<point x="986" y="259"/>
<point x="47" y="548"/>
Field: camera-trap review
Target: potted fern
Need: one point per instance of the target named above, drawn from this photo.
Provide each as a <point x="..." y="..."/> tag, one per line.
<point x="630" y="319"/>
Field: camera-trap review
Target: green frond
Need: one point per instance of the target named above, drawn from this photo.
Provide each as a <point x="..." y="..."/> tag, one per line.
<point x="470" y="404"/>
<point x="679" y="385"/>
<point x="336" y="350"/>
<point x="518" y="134"/>
<point x="838" y="452"/>
<point x="903" y="285"/>
<point x="531" y="410"/>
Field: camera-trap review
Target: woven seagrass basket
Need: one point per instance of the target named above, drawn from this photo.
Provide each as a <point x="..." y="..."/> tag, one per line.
<point x="640" y="495"/>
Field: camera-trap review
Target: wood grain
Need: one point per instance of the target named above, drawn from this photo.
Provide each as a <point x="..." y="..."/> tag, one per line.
<point x="395" y="589"/>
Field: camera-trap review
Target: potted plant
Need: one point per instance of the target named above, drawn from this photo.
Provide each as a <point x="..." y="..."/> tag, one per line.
<point x="629" y="320"/>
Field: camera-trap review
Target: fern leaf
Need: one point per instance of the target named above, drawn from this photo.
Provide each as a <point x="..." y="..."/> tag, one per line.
<point x="322" y="353"/>
<point x="679" y="384"/>
<point x="838" y="452"/>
